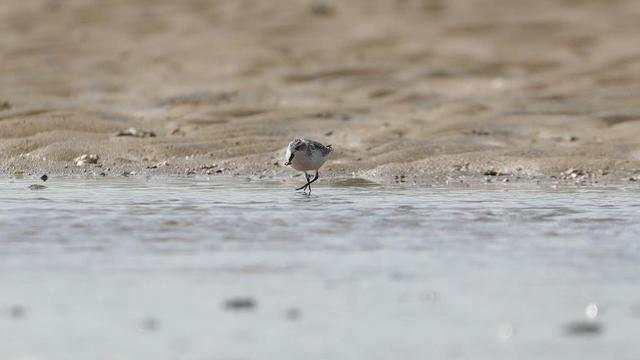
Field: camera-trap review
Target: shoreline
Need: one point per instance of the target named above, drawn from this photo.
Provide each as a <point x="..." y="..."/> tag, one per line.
<point x="572" y="178"/>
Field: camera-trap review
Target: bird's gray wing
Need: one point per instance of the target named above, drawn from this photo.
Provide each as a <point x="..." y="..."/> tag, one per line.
<point x="314" y="145"/>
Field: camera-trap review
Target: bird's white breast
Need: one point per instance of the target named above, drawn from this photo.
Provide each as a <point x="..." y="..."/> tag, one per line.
<point x="287" y="154"/>
<point x="303" y="162"/>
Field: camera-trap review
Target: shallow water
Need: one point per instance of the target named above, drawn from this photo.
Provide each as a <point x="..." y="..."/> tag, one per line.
<point x="133" y="269"/>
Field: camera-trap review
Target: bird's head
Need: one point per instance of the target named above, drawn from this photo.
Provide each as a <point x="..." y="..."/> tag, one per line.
<point x="294" y="147"/>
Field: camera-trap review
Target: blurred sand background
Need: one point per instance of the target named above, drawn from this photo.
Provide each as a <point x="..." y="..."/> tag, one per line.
<point x="406" y="91"/>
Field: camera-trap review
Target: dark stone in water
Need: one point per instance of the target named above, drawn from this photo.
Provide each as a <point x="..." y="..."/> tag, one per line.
<point x="150" y="324"/>
<point x="37" y="187"/>
<point x="17" y="311"/>
<point x="583" y="328"/>
<point x="292" y="314"/>
<point x="240" y="303"/>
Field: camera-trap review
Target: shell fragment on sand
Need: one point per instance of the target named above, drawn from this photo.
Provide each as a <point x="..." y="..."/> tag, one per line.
<point x="86" y="159"/>
<point x="135" y="132"/>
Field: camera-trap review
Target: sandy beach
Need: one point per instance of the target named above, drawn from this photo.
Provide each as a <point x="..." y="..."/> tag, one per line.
<point x="406" y="91"/>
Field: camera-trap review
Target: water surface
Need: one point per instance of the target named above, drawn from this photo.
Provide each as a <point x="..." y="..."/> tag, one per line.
<point x="131" y="269"/>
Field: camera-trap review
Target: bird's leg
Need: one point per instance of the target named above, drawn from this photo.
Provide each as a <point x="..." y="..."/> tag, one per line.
<point x="309" y="182"/>
<point x="314" y="178"/>
<point x="305" y="186"/>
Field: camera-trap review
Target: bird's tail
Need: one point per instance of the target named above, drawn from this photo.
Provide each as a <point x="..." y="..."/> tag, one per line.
<point x="330" y="147"/>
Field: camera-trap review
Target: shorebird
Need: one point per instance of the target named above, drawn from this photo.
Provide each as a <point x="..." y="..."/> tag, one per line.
<point x="306" y="155"/>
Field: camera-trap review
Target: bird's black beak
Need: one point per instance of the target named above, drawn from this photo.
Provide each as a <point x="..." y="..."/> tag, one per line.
<point x="289" y="161"/>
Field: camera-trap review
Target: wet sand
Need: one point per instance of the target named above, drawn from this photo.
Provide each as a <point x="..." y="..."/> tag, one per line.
<point x="406" y="91"/>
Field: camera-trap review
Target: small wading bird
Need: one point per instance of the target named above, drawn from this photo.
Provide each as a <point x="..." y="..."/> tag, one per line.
<point x="306" y="155"/>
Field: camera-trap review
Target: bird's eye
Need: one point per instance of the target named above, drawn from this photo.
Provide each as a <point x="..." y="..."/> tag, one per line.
<point x="299" y="147"/>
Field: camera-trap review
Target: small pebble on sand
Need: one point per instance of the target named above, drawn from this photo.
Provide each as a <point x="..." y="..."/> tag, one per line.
<point x="322" y="8"/>
<point x="160" y="164"/>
